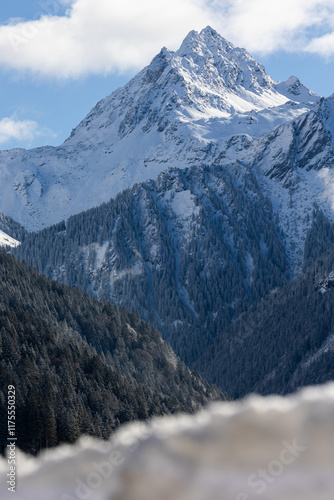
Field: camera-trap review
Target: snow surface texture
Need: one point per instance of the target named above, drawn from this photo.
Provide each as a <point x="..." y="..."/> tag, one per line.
<point x="176" y="112"/>
<point x="271" y="448"/>
<point x="6" y="240"/>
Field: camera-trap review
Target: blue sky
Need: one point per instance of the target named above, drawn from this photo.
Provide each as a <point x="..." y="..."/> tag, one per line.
<point x="59" y="57"/>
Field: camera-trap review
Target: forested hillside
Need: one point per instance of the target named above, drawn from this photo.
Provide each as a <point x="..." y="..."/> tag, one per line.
<point x="287" y="341"/>
<point x="11" y="227"/>
<point x="81" y="366"/>
<point x="177" y="249"/>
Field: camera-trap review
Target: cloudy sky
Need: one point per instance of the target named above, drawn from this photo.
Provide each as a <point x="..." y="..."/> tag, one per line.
<point x="59" y="57"/>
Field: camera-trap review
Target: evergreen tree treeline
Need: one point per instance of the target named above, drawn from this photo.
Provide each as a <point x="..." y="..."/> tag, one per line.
<point x="286" y="341"/>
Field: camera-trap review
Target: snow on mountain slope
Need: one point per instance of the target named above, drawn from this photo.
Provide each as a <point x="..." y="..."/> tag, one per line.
<point x="6" y="240"/>
<point x="294" y="89"/>
<point x="176" y="112"/>
<point x="206" y="78"/>
<point x="294" y="166"/>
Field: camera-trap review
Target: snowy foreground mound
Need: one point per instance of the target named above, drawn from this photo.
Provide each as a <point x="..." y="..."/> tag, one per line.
<point x="269" y="448"/>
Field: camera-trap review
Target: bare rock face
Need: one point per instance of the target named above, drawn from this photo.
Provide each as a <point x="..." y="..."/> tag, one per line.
<point x="272" y="448"/>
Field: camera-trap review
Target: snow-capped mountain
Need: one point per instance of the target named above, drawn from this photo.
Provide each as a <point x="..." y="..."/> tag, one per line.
<point x="193" y="196"/>
<point x="178" y="111"/>
<point x="206" y="83"/>
<point x="298" y="157"/>
<point x="224" y="169"/>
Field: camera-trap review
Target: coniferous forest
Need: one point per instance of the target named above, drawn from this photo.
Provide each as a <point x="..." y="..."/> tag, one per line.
<point x="188" y="277"/>
<point x="287" y="340"/>
<point x="223" y="297"/>
<point x="81" y="366"/>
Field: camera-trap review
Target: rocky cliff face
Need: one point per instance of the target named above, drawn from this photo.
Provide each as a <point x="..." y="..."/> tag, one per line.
<point x="294" y="166"/>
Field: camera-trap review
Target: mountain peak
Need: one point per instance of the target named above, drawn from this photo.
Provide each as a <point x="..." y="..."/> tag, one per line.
<point x="212" y="39"/>
<point x="203" y="42"/>
<point x="206" y="79"/>
<point x="293" y="80"/>
<point x="176" y="111"/>
<point x="295" y="90"/>
<point x="234" y="67"/>
<point x="210" y="31"/>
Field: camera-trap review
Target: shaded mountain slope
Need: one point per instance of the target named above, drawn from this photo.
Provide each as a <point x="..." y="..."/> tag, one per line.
<point x="190" y="251"/>
<point x="294" y="167"/>
<point x="79" y="365"/>
<point x="287" y="341"/>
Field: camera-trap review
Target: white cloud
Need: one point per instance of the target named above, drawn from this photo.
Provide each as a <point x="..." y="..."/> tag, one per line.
<point x="100" y="36"/>
<point x="21" y="130"/>
<point x="266" y="26"/>
<point x="323" y="45"/>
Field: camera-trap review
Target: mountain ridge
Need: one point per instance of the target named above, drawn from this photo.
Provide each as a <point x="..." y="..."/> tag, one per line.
<point x="176" y="111"/>
<point x="211" y="178"/>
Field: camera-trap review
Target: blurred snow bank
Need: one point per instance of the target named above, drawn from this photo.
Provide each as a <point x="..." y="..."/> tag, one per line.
<point x="271" y="448"/>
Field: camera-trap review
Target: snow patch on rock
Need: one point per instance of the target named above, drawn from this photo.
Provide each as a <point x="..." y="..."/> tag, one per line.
<point x="6" y="240"/>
